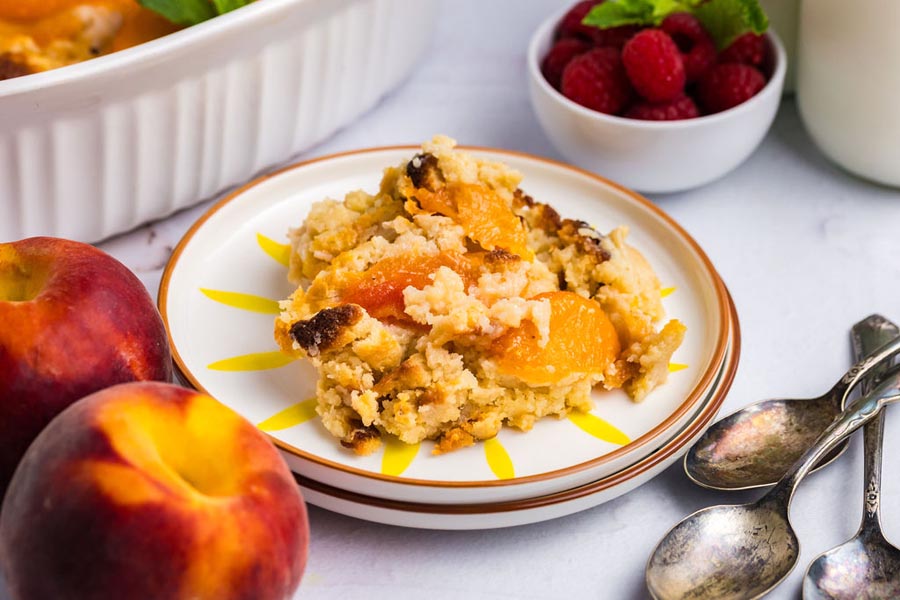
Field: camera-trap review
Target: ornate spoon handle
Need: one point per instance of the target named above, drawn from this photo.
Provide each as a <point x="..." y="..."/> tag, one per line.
<point x="863" y="368"/>
<point x="854" y="416"/>
<point x="867" y="335"/>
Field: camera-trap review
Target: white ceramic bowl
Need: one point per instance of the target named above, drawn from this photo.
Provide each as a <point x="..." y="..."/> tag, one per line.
<point x="100" y="147"/>
<point x="652" y="156"/>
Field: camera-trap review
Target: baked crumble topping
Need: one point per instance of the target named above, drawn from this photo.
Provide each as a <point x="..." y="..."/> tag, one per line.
<point x="451" y="303"/>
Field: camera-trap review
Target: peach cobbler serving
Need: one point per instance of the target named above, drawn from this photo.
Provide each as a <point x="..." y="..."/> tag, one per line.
<point x="40" y="35"/>
<point x="451" y="303"/>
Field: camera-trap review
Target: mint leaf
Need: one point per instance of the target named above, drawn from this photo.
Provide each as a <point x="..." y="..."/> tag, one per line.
<point x="726" y="20"/>
<point x="191" y="12"/>
<point x="224" y="6"/>
<point x="181" y="12"/>
<point x="614" y="13"/>
<point x="664" y="8"/>
<point x="621" y="12"/>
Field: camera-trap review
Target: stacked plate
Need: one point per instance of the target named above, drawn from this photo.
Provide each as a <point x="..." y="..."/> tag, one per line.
<point x="219" y="296"/>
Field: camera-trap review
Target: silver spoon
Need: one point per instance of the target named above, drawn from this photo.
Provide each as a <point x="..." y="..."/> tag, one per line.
<point x="740" y="552"/>
<point x="867" y="566"/>
<point x="754" y="446"/>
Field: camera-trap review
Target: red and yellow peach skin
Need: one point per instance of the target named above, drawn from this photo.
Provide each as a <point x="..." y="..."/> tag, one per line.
<point x="149" y="490"/>
<point x="74" y="320"/>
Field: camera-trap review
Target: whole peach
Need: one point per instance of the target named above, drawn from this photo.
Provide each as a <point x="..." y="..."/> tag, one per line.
<point x="74" y="320"/>
<point x="150" y="490"/>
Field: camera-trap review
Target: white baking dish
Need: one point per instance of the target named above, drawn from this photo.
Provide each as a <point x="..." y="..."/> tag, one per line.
<point x="97" y="148"/>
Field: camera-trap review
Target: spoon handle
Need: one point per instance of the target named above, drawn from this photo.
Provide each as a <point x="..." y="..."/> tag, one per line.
<point x="854" y="416"/>
<point x="873" y="436"/>
<point x="863" y="368"/>
<point x="867" y="335"/>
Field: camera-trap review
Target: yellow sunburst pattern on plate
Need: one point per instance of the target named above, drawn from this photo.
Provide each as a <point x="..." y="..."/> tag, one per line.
<point x="498" y="459"/>
<point x="397" y="455"/>
<point x="599" y="428"/>
<point x="673" y="367"/>
<point x="258" y="361"/>
<point x="279" y="252"/>
<point x="290" y="417"/>
<point x="248" y="302"/>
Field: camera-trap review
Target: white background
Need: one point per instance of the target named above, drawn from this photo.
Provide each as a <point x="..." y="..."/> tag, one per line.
<point x="806" y="250"/>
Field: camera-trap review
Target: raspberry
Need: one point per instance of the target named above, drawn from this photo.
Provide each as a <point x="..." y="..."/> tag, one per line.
<point x="597" y="80"/>
<point x="727" y="85"/>
<point x="615" y="37"/>
<point x="559" y="56"/>
<point x="570" y="25"/>
<point x="749" y="49"/>
<point x="654" y="65"/>
<point x="681" y="107"/>
<point x="698" y="52"/>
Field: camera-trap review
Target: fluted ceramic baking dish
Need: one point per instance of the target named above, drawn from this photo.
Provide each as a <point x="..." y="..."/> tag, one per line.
<point x="94" y="149"/>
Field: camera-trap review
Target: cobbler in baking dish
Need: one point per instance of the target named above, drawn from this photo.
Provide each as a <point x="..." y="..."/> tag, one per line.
<point x="39" y="35"/>
<point x="450" y="303"/>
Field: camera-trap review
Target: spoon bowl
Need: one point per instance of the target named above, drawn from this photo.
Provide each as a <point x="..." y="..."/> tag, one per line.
<point x="755" y="446"/>
<point x="867" y="566"/>
<point x="727" y="552"/>
<point x="742" y="551"/>
<point x="858" y="569"/>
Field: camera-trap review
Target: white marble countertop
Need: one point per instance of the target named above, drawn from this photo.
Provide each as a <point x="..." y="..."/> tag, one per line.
<point x="806" y="250"/>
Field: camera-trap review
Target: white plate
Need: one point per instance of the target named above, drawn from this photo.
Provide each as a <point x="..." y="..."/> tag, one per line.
<point x="225" y="252"/>
<point x="532" y="510"/>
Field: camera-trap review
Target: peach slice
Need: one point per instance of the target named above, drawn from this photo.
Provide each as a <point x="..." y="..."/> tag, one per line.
<point x="483" y="214"/>
<point x="379" y="289"/>
<point x="582" y="340"/>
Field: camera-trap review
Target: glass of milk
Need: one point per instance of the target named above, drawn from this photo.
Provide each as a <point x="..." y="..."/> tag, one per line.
<point x="848" y="83"/>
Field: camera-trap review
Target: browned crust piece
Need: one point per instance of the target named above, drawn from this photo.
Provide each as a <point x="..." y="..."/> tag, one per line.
<point x="453" y="439"/>
<point x="423" y="172"/>
<point x="569" y="231"/>
<point x="10" y="68"/>
<point x="585" y="238"/>
<point x="323" y="330"/>
<point x="362" y="440"/>
<point x="500" y="257"/>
